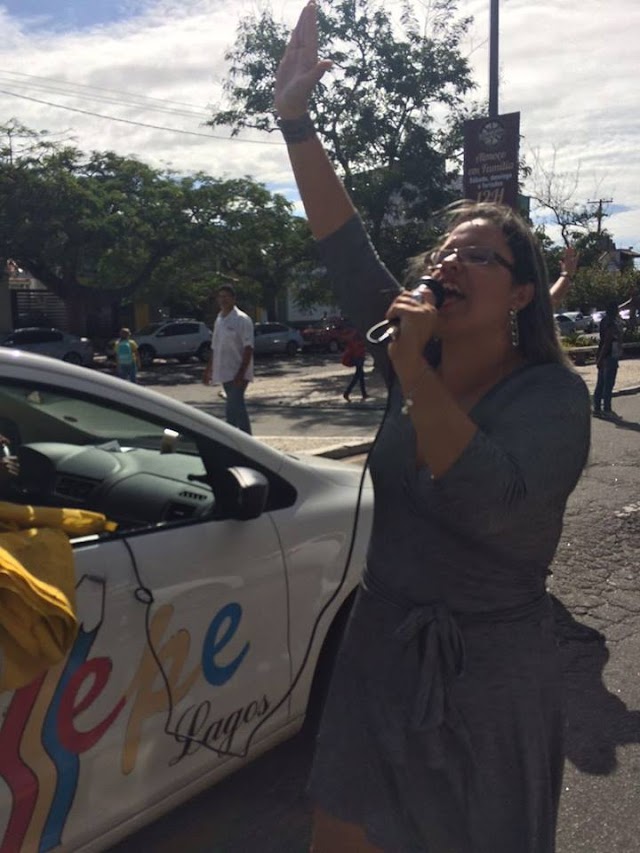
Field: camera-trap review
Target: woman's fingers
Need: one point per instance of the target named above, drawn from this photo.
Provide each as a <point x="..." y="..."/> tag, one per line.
<point x="299" y="70"/>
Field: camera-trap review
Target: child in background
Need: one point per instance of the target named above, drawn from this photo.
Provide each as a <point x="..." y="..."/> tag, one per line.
<point x="127" y="358"/>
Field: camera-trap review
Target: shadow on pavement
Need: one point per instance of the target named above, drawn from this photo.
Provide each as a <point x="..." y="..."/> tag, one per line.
<point x="598" y="721"/>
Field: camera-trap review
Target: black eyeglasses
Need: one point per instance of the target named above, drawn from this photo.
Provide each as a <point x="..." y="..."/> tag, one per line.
<point x="474" y="255"/>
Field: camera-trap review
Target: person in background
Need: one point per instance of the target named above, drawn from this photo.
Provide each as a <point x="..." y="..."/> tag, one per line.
<point x="561" y="285"/>
<point x="231" y="357"/>
<point x="443" y="725"/>
<point x="353" y="356"/>
<point x="609" y="352"/>
<point x="127" y="356"/>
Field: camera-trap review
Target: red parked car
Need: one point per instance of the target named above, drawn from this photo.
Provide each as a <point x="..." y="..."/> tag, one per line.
<point x="329" y="334"/>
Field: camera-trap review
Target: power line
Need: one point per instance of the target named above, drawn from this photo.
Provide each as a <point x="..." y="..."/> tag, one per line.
<point x="139" y="123"/>
<point x="58" y="82"/>
<point x="52" y="90"/>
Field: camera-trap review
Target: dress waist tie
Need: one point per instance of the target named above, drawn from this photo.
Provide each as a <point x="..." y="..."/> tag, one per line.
<point x="436" y="630"/>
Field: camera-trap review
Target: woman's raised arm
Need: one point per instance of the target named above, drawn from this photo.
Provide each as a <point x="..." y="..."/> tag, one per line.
<point x="325" y="199"/>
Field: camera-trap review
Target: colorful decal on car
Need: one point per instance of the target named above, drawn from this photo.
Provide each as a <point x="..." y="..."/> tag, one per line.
<point x="41" y="747"/>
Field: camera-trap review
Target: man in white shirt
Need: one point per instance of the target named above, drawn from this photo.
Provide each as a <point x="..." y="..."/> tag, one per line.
<point x="231" y="358"/>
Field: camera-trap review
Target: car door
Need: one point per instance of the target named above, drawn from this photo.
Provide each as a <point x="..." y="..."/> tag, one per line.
<point x="182" y="655"/>
<point x="180" y="338"/>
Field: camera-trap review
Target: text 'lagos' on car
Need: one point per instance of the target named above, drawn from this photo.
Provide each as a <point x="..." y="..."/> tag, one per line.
<point x="208" y="618"/>
<point x="51" y="342"/>
<point x="276" y="339"/>
<point x="181" y="338"/>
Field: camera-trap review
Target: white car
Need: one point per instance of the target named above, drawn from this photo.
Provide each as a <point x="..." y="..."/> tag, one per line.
<point x="181" y="338"/>
<point x="573" y="321"/>
<point x="207" y="619"/>
<point x="276" y="339"/>
<point x="52" y="342"/>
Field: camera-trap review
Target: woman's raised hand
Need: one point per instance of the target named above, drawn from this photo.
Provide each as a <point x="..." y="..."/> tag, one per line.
<point x="569" y="262"/>
<point x="299" y="69"/>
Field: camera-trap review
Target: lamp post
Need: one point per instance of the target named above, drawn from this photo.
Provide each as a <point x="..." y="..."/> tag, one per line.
<point x="494" y="28"/>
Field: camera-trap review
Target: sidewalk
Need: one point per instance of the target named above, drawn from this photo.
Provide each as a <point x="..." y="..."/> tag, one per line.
<point x="323" y="389"/>
<point x="319" y="386"/>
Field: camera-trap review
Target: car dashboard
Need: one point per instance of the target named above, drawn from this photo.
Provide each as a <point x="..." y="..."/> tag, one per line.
<point x="132" y="486"/>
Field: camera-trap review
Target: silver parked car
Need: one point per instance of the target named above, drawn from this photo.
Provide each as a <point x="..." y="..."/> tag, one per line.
<point x="276" y="338"/>
<point x="51" y="342"/>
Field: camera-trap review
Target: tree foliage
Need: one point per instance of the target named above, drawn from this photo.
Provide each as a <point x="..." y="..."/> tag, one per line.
<point x="393" y="85"/>
<point x="98" y="229"/>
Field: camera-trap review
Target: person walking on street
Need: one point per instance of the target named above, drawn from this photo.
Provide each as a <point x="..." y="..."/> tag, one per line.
<point x="443" y="727"/>
<point x="231" y="358"/>
<point x="353" y="356"/>
<point x="609" y="352"/>
<point x="127" y="357"/>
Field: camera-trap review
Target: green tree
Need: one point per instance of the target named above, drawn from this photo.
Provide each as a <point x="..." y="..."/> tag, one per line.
<point x="377" y="114"/>
<point x="98" y="229"/>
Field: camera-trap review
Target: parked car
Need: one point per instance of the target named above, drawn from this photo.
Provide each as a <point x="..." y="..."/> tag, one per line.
<point x="570" y="322"/>
<point x="51" y="342"/>
<point x="180" y="338"/>
<point x="574" y="321"/>
<point x="330" y="334"/>
<point x="276" y="339"/>
<point x="208" y="618"/>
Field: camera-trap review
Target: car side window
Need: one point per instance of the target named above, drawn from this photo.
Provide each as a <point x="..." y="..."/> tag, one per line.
<point x="85" y="453"/>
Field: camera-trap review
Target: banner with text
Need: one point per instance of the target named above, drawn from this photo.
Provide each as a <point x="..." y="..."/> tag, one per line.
<point x="491" y="147"/>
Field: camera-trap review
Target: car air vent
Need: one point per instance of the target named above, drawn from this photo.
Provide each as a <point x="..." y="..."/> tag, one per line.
<point x="77" y="488"/>
<point x="178" y="511"/>
<point x="193" y="496"/>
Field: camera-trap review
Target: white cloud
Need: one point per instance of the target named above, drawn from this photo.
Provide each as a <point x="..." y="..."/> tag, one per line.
<point x="570" y="69"/>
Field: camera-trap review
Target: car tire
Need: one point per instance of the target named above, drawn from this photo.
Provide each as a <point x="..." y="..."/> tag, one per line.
<point x="203" y="352"/>
<point x="334" y="346"/>
<point x="147" y="354"/>
<point x="291" y="348"/>
<point x="72" y="358"/>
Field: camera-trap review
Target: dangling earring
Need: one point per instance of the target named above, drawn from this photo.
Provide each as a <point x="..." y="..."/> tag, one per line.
<point x="515" y="329"/>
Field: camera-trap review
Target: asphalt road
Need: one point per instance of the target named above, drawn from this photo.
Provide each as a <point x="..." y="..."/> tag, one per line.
<point x="262" y="809"/>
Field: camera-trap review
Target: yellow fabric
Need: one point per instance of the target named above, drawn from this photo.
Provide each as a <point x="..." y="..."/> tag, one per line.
<point x="38" y="623"/>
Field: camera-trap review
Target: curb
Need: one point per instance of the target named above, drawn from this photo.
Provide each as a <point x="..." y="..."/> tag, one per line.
<point x="343" y="451"/>
<point x="624" y="392"/>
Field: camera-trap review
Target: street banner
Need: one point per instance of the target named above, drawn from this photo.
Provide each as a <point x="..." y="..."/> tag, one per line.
<point x="491" y="147"/>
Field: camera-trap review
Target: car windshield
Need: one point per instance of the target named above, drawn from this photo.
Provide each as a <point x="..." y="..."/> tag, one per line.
<point x="84" y="419"/>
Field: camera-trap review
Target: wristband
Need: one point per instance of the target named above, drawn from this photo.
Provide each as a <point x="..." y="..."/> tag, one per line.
<point x="296" y="130"/>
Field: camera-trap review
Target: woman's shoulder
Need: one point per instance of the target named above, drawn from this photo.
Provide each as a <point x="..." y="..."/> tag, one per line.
<point x="536" y="386"/>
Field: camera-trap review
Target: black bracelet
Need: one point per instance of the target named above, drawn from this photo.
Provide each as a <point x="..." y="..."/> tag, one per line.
<point x="297" y="130"/>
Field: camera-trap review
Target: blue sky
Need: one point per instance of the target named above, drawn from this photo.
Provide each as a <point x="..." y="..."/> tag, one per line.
<point x="570" y="68"/>
<point x="66" y="14"/>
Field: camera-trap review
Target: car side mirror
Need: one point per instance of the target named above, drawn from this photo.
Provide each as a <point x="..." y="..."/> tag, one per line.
<point x="241" y="493"/>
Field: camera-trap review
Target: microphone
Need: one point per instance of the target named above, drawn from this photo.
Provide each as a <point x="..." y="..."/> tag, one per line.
<point x="388" y="330"/>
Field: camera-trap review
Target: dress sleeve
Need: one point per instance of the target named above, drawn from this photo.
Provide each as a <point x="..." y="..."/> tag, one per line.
<point x="363" y="286"/>
<point x="530" y="453"/>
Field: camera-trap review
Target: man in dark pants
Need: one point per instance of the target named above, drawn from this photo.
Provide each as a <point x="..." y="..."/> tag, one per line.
<point x="609" y="352"/>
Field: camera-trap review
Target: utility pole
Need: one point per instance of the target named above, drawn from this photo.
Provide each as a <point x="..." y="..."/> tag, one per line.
<point x="494" y="31"/>
<point x="600" y="214"/>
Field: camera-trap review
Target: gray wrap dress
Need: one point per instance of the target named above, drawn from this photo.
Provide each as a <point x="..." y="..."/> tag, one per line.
<point x="443" y="727"/>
